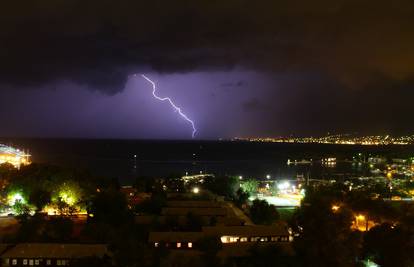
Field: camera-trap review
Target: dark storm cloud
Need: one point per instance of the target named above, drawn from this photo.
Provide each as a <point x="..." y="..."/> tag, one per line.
<point x="98" y="43"/>
<point x="233" y="84"/>
<point x="326" y="105"/>
<point x="253" y="105"/>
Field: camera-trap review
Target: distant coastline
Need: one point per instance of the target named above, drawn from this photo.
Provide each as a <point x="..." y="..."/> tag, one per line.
<point x="338" y="139"/>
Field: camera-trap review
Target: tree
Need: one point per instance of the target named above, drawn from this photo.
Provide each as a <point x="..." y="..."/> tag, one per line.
<point x="109" y="207"/>
<point x="152" y="205"/>
<point x="64" y="208"/>
<point x="39" y="198"/>
<point x="250" y="186"/>
<point x="21" y="209"/>
<point x="389" y="246"/>
<point x="272" y="255"/>
<point x="241" y="197"/>
<point x="263" y="213"/>
<point x="222" y="185"/>
<point x="69" y="192"/>
<point x="7" y="170"/>
<point x="326" y="238"/>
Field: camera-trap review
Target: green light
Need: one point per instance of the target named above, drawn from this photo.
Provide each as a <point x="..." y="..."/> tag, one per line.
<point x="68" y="197"/>
<point x="369" y="263"/>
<point x="69" y="193"/>
<point x="14" y="198"/>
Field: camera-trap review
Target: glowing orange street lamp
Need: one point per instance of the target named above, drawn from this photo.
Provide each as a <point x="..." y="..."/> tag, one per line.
<point x="335" y="208"/>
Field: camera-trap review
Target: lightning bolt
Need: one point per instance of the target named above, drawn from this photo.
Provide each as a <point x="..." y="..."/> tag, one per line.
<point x="177" y="109"/>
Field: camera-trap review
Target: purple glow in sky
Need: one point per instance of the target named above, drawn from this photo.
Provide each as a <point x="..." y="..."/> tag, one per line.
<point x="216" y="101"/>
<point x="224" y="104"/>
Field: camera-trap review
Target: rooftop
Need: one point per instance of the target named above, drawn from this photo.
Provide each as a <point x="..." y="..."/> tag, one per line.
<point x="49" y="250"/>
<point x="174" y="236"/>
<point x="183" y="211"/>
<point x="248" y="230"/>
<point x="193" y="204"/>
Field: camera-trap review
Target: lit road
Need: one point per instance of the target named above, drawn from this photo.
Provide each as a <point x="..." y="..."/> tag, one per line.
<point x="280" y="201"/>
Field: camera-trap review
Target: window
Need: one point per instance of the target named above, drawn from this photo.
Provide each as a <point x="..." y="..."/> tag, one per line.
<point x="25" y="262"/>
<point x="243" y="239"/>
<point x="58" y="262"/>
<point x="275" y="239"/>
<point x="14" y="262"/>
<point x="229" y="239"/>
<point x="64" y="262"/>
<point x="48" y="262"/>
<point x="156" y="244"/>
<point x="36" y="262"/>
<point x="225" y="239"/>
<point x="254" y="239"/>
<point x="31" y="262"/>
<point x="7" y="262"/>
<point x="263" y="239"/>
<point x="178" y="245"/>
<point x="190" y="245"/>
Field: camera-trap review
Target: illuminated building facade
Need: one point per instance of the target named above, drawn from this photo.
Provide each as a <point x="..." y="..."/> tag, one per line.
<point x="231" y="237"/>
<point x="13" y="156"/>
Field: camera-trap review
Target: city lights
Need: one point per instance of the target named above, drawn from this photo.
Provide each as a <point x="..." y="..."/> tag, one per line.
<point x="13" y="156"/>
<point x="196" y="190"/>
<point x="283" y="185"/>
<point x="340" y="139"/>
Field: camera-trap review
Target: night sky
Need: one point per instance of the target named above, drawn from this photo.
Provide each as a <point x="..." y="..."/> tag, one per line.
<point x="235" y="67"/>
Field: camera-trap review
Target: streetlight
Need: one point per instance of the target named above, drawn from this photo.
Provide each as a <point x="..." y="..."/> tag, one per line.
<point x="335" y="208"/>
<point x="361" y="219"/>
<point x="196" y="190"/>
<point x="15" y="198"/>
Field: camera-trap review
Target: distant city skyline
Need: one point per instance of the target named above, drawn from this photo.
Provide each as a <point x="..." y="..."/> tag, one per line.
<point x="340" y="139"/>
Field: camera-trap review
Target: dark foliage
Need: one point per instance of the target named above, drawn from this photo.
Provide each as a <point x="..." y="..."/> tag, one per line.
<point x="262" y="212"/>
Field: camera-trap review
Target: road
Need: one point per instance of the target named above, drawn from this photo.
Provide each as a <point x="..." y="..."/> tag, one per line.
<point x="239" y="213"/>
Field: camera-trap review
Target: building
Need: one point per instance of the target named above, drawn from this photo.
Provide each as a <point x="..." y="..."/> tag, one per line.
<point x="236" y="241"/>
<point x="44" y="254"/>
<point x="179" y="240"/>
<point x="208" y="213"/>
<point x="13" y="156"/>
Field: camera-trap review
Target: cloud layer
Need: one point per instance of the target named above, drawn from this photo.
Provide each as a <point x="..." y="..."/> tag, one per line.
<point x="98" y="43"/>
